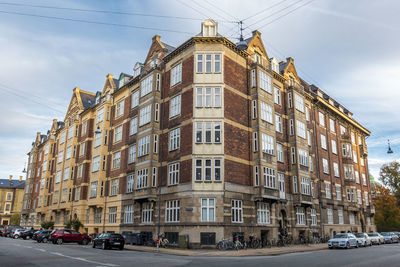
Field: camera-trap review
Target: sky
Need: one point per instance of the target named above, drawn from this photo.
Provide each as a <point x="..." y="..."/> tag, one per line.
<point x="350" y="49"/>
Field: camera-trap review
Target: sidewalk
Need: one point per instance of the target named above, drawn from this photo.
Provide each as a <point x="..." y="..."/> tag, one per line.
<point x="231" y="253"/>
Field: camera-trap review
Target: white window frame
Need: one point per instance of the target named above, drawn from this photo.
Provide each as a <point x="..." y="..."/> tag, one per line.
<point x="207" y="210"/>
<point x="237" y="211"/>
<point x="174" y="139"/>
<point x="173" y="173"/>
<point x="176" y="74"/>
<point x="175" y="106"/>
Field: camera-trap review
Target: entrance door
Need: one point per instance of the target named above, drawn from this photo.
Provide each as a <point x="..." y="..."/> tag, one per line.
<point x="281" y="183"/>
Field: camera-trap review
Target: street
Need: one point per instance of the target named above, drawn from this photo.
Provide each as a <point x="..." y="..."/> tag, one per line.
<point x="30" y="253"/>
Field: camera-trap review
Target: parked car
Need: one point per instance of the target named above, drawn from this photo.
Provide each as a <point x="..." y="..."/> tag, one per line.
<point x="390" y="237"/>
<point x="27" y="234"/>
<point x="8" y="229"/>
<point x="34" y="236"/>
<point x="17" y="233"/>
<point x="109" y="240"/>
<point x="60" y="236"/>
<point x="376" y="238"/>
<point x="343" y="240"/>
<point x="43" y="236"/>
<point x="363" y="239"/>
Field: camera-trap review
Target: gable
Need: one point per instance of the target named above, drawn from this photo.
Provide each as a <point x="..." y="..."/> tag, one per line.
<point x="75" y="105"/>
<point x="109" y="85"/>
<point x="290" y="70"/>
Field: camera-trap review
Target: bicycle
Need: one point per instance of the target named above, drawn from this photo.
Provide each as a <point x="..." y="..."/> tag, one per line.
<point x="224" y="244"/>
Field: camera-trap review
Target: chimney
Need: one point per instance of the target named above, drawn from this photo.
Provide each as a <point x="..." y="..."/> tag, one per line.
<point x="20" y="179"/>
<point x="10" y="178"/>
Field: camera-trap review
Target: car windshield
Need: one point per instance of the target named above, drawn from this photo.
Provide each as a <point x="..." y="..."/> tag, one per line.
<point x="386" y="234"/>
<point x="359" y="235"/>
<point x="341" y="236"/>
<point x="115" y="236"/>
<point x="373" y="234"/>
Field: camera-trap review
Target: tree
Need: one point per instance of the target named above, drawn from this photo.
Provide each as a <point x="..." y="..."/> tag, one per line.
<point x="15" y="219"/>
<point x="387" y="212"/>
<point x="75" y="224"/>
<point x="390" y="176"/>
<point x="47" y="225"/>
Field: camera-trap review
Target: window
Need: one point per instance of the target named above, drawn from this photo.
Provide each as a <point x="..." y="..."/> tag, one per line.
<point x="62" y="137"/>
<point x="291" y="127"/>
<point x="176" y="74"/>
<point x="328" y="191"/>
<point x="146" y="86"/>
<point x="205" y="63"/>
<point x="265" y="82"/>
<point x="172" y="211"/>
<point x="156" y="111"/>
<point x="346" y="150"/>
<point x="364" y="179"/>
<point x="105" y="137"/>
<point x="308" y="138"/>
<point x="212" y="132"/>
<point x="119" y="108"/>
<point x="357" y="176"/>
<point x="342" y="130"/>
<point x="155" y="144"/>
<point x="145" y="115"/>
<point x="353" y="138"/>
<point x="237" y="211"/>
<point x="130" y="181"/>
<point x="305" y="184"/>
<point x="144" y="146"/>
<point x="279" y="152"/>
<point x="128" y="214"/>
<point x="351" y="218"/>
<point x="330" y="215"/>
<point x="267" y="144"/>
<point x="147" y="212"/>
<point x="175" y="106"/>
<point x="100" y="115"/>
<point x="299" y="102"/>
<point x="290" y="100"/>
<point x="300" y="216"/>
<point x="93" y="189"/>
<point x="293" y="154"/>
<point x="112" y="214"/>
<point x="142" y="176"/>
<point x="359" y="199"/>
<point x="114" y="187"/>
<point x="154" y="177"/>
<point x="355" y="159"/>
<point x="325" y="166"/>
<point x="338" y="192"/>
<point x="9" y="196"/>
<point x="207" y="239"/>
<point x="96" y="164"/>
<point x="97" y="215"/>
<point x="303" y="157"/>
<point x="278" y="123"/>
<point x="118" y="134"/>
<point x="68" y="153"/>
<point x="60" y="156"/>
<point x="97" y="139"/>
<point x="84" y="128"/>
<point x="133" y="125"/>
<point x="269" y="178"/>
<point x="348" y="172"/>
<point x="340" y="216"/>
<point x="135" y="99"/>
<point x="256" y="176"/>
<point x="200" y="63"/>
<point x="46" y="149"/>
<point x="366" y="200"/>
<point x="77" y="193"/>
<point x="116" y="160"/>
<point x="334" y="146"/>
<point x="301" y="129"/>
<point x="321" y="119"/>
<point x="313" y="214"/>
<point x="131" y="154"/>
<point x="310" y="163"/>
<point x="263" y="213"/>
<point x="174" y="139"/>
<point x="323" y="141"/>
<point x="80" y="171"/>
<point x="206" y="170"/>
<point x="66" y="173"/>
<point x="277" y="95"/>
<point x="58" y="177"/>
<point x="55" y="200"/>
<point x="336" y="169"/>
<point x="255" y="142"/>
<point x="332" y="127"/>
<point x="253" y="78"/>
<point x="266" y="112"/>
<point x="208" y="97"/>
<point x="173" y="174"/>
<point x="217" y="63"/>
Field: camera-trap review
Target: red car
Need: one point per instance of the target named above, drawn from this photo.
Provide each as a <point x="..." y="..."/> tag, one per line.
<point x="60" y="236"/>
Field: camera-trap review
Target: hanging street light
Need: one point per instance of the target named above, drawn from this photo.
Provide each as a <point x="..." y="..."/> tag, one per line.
<point x="390" y="151"/>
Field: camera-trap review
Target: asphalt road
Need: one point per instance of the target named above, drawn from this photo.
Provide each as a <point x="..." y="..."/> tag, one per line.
<point x="30" y="253"/>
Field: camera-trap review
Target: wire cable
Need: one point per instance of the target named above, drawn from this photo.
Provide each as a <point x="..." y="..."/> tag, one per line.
<point x="223" y="11"/>
<point x="93" y="22"/>
<point x="258" y="13"/>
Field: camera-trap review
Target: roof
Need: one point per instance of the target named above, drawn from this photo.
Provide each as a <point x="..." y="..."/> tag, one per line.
<point x="170" y="48"/>
<point x="5" y="183"/>
<point x="88" y="100"/>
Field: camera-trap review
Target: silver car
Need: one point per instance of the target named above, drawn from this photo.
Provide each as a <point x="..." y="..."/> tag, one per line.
<point x="17" y="233"/>
<point x="343" y="240"/>
<point x="376" y="238"/>
<point x="363" y="239"/>
<point x="390" y="237"/>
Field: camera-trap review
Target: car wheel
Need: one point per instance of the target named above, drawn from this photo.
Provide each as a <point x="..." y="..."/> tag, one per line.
<point x="347" y="245"/>
<point x="85" y="242"/>
<point x="121" y="247"/>
<point x="28" y="237"/>
<point x="104" y="246"/>
<point x="357" y="246"/>
<point x="16" y="236"/>
<point x="59" y="241"/>
<point x="44" y="240"/>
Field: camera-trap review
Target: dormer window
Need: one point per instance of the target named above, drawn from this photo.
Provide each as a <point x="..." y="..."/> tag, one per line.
<point x="137" y="70"/>
<point x="209" y="28"/>
<point x="275" y="65"/>
<point x="257" y="58"/>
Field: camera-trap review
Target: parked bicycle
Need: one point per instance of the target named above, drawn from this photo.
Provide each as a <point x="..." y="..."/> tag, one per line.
<point x="225" y="244"/>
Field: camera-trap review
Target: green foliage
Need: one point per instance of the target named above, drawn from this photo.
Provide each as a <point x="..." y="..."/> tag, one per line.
<point x="47" y="225"/>
<point x="15" y="219"/>
<point x="74" y="224"/>
<point x="390" y="177"/>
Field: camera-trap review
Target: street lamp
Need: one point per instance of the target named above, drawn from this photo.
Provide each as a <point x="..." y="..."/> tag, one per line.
<point x="24" y="170"/>
<point x="97" y="131"/>
<point x="390" y="151"/>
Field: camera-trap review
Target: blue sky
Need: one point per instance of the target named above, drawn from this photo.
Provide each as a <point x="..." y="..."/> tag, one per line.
<point x="350" y="49"/>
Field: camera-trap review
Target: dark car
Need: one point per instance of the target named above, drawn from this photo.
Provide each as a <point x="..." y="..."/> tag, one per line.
<point x="27" y="234"/>
<point x="109" y="240"/>
<point x="60" y="236"/>
<point x="43" y="236"/>
<point x="34" y="236"/>
<point x="8" y="229"/>
<point x="1" y="231"/>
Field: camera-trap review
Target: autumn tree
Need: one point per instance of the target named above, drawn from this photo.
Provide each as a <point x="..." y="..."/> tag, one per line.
<point x="390" y="177"/>
<point x="387" y="212"/>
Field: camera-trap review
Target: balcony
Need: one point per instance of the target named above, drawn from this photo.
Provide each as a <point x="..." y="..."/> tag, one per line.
<point x="261" y="193"/>
<point x="345" y="138"/>
<point x="363" y="151"/>
<point x="302" y="199"/>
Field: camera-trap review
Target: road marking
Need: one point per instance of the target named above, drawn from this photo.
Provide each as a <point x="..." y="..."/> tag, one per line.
<point x="27" y="246"/>
<point x="40" y="249"/>
<point x="85" y="260"/>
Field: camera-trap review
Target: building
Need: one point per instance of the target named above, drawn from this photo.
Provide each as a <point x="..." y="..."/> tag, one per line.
<point x="11" y="197"/>
<point x="205" y="141"/>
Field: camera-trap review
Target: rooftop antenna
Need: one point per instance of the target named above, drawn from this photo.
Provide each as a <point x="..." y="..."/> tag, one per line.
<point x="242" y="45"/>
<point x="390" y="151"/>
